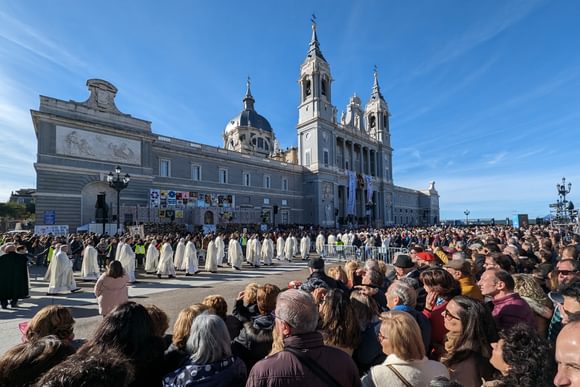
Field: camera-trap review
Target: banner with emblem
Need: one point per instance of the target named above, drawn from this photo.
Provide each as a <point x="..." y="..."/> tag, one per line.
<point x="369" y="183"/>
<point x="171" y="198"/>
<point x="154" y="198"/>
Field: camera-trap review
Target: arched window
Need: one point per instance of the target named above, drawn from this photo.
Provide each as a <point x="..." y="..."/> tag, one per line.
<point x="306" y="87"/>
<point x="323" y="86"/>
<point x="261" y="143"/>
<point x="372" y="121"/>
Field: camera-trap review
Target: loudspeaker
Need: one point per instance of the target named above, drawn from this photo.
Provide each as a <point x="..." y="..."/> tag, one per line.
<point x="275" y="210"/>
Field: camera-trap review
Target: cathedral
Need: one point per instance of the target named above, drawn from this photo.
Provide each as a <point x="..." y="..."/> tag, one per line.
<point x="339" y="175"/>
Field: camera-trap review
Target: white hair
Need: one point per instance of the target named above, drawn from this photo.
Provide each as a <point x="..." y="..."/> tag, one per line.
<point x="209" y="339"/>
<point x="297" y="309"/>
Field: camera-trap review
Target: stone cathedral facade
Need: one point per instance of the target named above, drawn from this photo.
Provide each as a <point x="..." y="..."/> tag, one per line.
<point x="340" y="173"/>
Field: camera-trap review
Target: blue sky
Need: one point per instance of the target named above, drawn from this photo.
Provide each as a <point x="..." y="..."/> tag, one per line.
<point x="484" y="95"/>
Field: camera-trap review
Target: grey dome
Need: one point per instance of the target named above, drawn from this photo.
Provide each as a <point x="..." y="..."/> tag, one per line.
<point x="248" y="117"/>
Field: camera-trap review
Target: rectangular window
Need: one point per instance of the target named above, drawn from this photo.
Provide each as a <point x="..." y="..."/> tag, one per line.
<point x="195" y="172"/>
<point x="285" y="217"/>
<point x="164" y="168"/>
<point x="267" y="182"/>
<point x="284" y="202"/>
<point x="307" y="158"/>
<point x="266" y="200"/>
<point x="325" y="157"/>
<point x="284" y="184"/>
<point x="223" y="176"/>
<point x="246" y="179"/>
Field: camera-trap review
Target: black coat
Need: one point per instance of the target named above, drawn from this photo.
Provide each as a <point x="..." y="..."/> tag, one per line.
<point x="13" y="276"/>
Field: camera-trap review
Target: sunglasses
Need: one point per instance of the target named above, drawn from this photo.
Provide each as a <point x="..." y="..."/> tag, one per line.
<point x="566" y="272"/>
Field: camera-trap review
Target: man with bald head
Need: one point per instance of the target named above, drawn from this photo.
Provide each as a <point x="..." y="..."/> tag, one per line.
<point x="568" y="355"/>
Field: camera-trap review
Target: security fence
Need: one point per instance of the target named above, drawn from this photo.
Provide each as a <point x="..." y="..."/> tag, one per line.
<point x="346" y="253"/>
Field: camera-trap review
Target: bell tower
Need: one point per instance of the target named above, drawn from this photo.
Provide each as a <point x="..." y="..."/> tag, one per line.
<point x="315" y="85"/>
<point x="377" y="114"/>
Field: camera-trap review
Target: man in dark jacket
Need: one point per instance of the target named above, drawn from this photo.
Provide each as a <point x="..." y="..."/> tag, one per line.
<point x="13" y="276"/>
<point x="305" y="360"/>
<point x="317" y="275"/>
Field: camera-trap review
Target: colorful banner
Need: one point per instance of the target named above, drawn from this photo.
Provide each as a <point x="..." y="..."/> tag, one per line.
<point x="351" y="193"/>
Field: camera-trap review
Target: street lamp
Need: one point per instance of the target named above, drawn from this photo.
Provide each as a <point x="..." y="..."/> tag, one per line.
<point x="118" y="183"/>
<point x="466" y="212"/>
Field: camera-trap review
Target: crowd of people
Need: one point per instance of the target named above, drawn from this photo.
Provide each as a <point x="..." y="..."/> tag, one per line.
<point x="471" y="306"/>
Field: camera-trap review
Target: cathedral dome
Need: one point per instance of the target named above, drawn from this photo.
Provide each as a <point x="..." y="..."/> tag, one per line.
<point x="248" y="117"/>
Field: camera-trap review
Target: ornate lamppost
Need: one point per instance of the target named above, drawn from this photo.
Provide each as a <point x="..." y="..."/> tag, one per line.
<point x="466" y="212"/>
<point x="564" y="208"/>
<point x="118" y="183"/>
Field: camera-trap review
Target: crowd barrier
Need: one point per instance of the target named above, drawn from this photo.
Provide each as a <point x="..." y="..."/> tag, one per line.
<point x="346" y="253"/>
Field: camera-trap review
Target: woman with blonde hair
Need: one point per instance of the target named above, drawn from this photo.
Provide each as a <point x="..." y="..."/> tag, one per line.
<point x="176" y="354"/>
<point x="405" y="365"/>
<point x="245" y="307"/>
<point x="338" y="273"/>
<point x="350" y="268"/>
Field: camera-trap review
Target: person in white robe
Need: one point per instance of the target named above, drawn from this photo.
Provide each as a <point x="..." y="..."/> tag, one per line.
<point x="190" y="260"/>
<point x="319" y="245"/>
<point x="165" y="266"/>
<point x="119" y="248"/>
<point x="211" y="257"/>
<point x="257" y="251"/>
<point x="304" y="247"/>
<point x="61" y="274"/>
<point x="267" y="251"/>
<point x="249" y="250"/>
<point x="127" y="259"/>
<point x="280" y="243"/>
<point x="289" y="248"/>
<point x="331" y="242"/>
<point x="179" y="250"/>
<point x="90" y="266"/>
<point x="151" y="258"/>
<point x="220" y="249"/>
<point x="295" y="246"/>
<point x="235" y="255"/>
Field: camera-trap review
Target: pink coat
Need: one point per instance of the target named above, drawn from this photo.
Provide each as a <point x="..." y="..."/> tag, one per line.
<point x="111" y="292"/>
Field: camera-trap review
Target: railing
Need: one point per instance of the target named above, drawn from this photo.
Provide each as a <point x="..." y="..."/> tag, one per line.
<point x="346" y="253"/>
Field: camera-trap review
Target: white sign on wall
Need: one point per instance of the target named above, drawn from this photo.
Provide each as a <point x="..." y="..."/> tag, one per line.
<point x="97" y="146"/>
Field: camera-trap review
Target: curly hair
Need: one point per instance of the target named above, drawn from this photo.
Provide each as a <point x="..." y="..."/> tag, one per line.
<point x="338" y="322"/>
<point x="217" y="303"/>
<point x="529" y="356"/>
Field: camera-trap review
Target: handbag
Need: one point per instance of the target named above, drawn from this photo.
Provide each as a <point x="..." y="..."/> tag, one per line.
<point x="318" y="371"/>
<point x="401" y="377"/>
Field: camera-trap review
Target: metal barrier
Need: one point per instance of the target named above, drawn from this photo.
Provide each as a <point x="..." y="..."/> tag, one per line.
<point x="346" y="253"/>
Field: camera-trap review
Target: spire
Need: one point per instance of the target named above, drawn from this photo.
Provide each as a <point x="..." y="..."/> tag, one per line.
<point x="314" y="49"/>
<point x="248" y="99"/>
<point x="376" y="93"/>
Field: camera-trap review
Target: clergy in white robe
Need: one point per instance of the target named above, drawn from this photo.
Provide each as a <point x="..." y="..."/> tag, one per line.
<point x="90" y="266"/>
<point x="119" y="248"/>
<point x="190" y="261"/>
<point x="320" y="241"/>
<point x="289" y="248"/>
<point x="179" y="250"/>
<point x="331" y="243"/>
<point x="211" y="257"/>
<point x="280" y="247"/>
<point x="235" y="255"/>
<point x="267" y="251"/>
<point x="127" y="259"/>
<point x="249" y="252"/>
<point x="295" y="246"/>
<point x="304" y="247"/>
<point x="61" y="274"/>
<point x="257" y="251"/>
<point x="152" y="258"/>
<point x="165" y="266"/>
<point x="220" y="249"/>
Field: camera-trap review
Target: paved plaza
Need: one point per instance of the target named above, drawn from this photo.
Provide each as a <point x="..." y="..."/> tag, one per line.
<point x="171" y="295"/>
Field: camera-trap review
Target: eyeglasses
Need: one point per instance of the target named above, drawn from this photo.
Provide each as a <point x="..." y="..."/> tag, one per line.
<point x="448" y="316"/>
<point x="566" y="272"/>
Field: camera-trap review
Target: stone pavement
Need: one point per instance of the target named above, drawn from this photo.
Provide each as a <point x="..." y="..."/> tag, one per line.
<point x="171" y="295"/>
